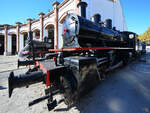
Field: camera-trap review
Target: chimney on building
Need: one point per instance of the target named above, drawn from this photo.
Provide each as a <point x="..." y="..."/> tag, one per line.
<point x="55" y="4"/>
<point x="41" y="14"/>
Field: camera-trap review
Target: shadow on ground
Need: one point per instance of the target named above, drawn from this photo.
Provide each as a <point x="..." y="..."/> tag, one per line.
<point x="125" y="91"/>
<point x="2" y="88"/>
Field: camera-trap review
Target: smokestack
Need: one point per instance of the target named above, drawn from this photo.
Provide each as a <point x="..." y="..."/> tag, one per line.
<point x="96" y="18"/>
<point x="108" y="23"/>
<point x="82" y="9"/>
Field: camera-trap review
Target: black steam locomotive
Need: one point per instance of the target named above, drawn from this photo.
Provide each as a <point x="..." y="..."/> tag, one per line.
<point x="90" y="49"/>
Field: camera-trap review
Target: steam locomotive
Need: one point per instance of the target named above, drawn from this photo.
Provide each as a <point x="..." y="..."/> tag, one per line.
<point x="90" y="49"/>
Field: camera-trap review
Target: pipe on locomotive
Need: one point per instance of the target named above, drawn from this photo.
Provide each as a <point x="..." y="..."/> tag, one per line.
<point x="25" y="63"/>
<point x="24" y="80"/>
<point x="82" y="12"/>
<point x="95" y="18"/>
<point x="82" y="9"/>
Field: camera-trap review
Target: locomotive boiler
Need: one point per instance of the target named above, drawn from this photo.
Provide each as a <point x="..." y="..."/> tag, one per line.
<point x="79" y="32"/>
<point x="34" y="48"/>
<point x="90" y="49"/>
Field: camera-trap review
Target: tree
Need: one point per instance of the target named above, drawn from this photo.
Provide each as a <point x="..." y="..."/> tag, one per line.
<point x="145" y="37"/>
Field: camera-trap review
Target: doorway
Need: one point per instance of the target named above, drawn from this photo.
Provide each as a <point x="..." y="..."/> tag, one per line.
<point x="14" y="44"/>
<point x="50" y="38"/>
<point x="2" y="46"/>
<point x="25" y="37"/>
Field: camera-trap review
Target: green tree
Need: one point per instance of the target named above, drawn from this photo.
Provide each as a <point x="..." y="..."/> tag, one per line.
<point x="145" y="37"/>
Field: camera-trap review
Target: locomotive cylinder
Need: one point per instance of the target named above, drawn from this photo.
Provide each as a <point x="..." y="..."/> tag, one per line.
<point x="24" y="80"/>
<point x="82" y="9"/>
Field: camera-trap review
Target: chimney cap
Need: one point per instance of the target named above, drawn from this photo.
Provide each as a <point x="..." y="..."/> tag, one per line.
<point x="82" y="3"/>
<point x="6" y="24"/>
<point x="18" y="23"/>
<point x="29" y="19"/>
<point x="55" y="3"/>
<point x="41" y="13"/>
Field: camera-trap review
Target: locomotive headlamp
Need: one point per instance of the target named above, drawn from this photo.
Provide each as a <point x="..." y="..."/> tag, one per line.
<point x="131" y="36"/>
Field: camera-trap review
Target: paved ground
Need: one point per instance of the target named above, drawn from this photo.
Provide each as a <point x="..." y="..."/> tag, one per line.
<point x="127" y="90"/>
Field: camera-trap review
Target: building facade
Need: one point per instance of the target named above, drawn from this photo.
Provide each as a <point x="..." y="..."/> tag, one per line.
<point x="13" y="37"/>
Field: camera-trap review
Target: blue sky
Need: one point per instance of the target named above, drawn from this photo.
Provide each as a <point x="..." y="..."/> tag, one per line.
<point x="136" y="12"/>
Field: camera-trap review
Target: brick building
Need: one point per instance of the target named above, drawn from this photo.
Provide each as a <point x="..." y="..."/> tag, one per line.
<point x="13" y="37"/>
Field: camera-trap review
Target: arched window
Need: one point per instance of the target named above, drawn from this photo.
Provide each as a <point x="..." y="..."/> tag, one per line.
<point x="36" y="34"/>
<point x="50" y="37"/>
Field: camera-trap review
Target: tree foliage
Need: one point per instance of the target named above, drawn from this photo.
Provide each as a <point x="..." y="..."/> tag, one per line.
<point x="145" y="37"/>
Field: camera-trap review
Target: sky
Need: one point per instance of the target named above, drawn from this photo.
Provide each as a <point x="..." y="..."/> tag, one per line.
<point x="136" y="12"/>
